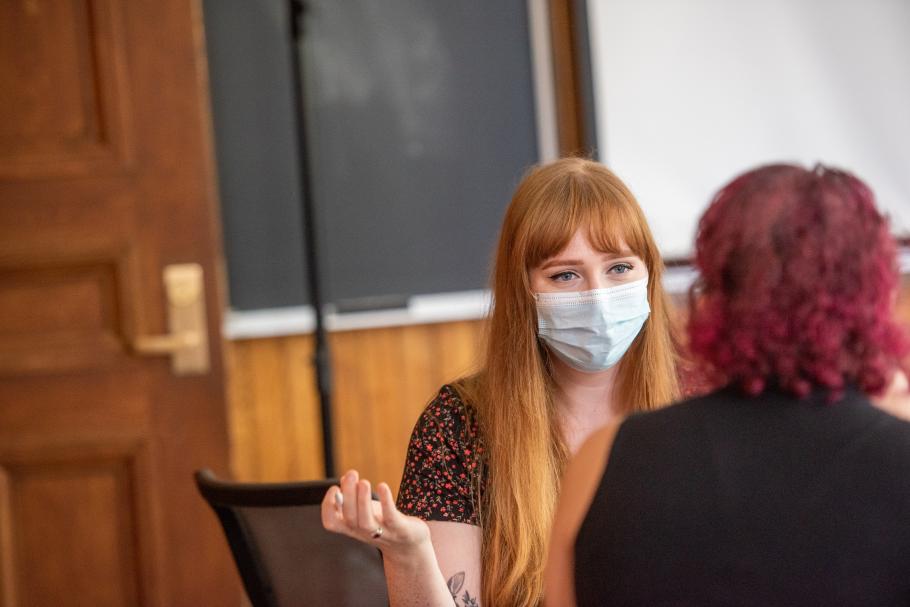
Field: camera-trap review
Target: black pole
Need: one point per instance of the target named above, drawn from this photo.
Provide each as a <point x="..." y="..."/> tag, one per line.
<point x="321" y="360"/>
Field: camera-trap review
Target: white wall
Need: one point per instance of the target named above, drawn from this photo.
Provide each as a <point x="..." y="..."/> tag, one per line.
<point x="689" y="93"/>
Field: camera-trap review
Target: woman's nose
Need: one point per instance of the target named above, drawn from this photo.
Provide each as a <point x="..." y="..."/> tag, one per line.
<point x="597" y="281"/>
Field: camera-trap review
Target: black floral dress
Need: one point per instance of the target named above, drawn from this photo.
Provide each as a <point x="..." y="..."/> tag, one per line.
<point x="444" y="475"/>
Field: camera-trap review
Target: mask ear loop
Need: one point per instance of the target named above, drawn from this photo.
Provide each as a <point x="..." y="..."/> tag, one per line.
<point x="545" y="355"/>
<point x="543" y="350"/>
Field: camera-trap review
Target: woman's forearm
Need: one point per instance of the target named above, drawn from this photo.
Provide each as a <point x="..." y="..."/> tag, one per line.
<point x="414" y="578"/>
<point x="413" y="573"/>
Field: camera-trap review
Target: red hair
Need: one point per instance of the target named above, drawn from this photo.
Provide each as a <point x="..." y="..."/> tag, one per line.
<point x="798" y="278"/>
<point x="513" y="395"/>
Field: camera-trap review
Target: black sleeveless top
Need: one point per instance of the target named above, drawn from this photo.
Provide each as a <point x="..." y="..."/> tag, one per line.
<point x="732" y="500"/>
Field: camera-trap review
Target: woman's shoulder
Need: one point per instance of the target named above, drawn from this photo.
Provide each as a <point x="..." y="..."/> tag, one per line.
<point x="449" y="402"/>
<point x="449" y="415"/>
<point x="896" y="397"/>
<point x="443" y="462"/>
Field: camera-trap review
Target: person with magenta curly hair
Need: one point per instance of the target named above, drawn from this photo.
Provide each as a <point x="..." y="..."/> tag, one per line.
<point x="787" y="485"/>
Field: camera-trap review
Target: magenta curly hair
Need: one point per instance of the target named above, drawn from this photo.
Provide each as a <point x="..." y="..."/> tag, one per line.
<point x="798" y="281"/>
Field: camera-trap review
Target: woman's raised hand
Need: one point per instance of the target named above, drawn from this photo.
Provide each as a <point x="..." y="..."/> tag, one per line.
<point x="351" y="510"/>
<point x="411" y="569"/>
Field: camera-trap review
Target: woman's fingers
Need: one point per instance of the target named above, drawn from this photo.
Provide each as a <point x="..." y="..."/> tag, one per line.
<point x="366" y="521"/>
<point x="385" y="498"/>
<point x="350" y="509"/>
<point x="391" y="517"/>
<point x="331" y="514"/>
<point x="349" y="497"/>
<point x="405" y="529"/>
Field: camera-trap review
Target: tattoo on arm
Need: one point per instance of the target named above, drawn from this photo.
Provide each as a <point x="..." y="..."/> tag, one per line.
<point x="455" y="583"/>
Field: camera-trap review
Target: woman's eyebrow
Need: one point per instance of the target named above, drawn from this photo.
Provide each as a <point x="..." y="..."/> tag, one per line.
<point x="561" y="262"/>
<point x="577" y="262"/>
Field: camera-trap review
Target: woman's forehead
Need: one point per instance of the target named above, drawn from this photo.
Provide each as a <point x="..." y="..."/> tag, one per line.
<point x="605" y="229"/>
<point x="580" y="246"/>
<point x="581" y="242"/>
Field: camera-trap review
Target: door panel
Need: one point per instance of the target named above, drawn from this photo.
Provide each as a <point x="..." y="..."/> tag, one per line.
<point x="90" y="549"/>
<point x="61" y="316"/>
<point x="65" y="92"/>
<point x="105" y="179"/>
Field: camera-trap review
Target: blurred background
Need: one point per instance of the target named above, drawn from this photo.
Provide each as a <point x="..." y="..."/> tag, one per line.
<point x="185" y="184"/>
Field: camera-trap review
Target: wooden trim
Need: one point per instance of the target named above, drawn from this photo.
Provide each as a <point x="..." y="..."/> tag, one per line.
<point x="566" y="77"/>
<point x="7" y="545"/>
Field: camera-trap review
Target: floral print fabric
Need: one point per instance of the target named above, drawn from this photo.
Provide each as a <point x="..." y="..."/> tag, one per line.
<point x="443" y="471"/>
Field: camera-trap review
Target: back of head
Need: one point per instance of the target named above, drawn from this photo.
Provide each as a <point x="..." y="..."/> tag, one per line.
<point x="798" y="278"/>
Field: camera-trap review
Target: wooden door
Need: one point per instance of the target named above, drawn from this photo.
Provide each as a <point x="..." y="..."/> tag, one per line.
<point x="106" y="178"/>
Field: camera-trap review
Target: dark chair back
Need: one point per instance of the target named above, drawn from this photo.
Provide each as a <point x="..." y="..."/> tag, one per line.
<point x="284" y="555"/>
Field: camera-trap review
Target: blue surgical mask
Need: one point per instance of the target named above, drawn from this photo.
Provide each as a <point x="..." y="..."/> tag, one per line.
<point x="591" y="330"/>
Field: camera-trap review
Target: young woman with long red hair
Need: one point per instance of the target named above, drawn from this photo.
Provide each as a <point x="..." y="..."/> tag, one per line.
<point x="579" y="333"/>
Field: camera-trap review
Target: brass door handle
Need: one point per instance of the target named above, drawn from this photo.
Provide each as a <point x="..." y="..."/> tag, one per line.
<point x="187" y="342"/>
<point x="166" y="344"/>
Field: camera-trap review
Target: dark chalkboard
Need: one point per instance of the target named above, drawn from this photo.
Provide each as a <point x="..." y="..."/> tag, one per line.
<point x="421" y="122"/>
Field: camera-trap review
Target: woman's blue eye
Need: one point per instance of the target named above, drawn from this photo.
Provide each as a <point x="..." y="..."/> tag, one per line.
<point x="563" y="276"/>
<point x="621" y="268"/>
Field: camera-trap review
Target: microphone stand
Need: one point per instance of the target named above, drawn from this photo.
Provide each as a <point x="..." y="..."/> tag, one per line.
<point x="321" y="356"/>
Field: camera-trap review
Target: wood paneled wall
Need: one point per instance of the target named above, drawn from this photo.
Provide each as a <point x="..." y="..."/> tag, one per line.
<point x="382" y="378"/>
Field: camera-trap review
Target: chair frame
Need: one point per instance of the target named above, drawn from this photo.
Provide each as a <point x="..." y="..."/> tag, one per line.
<point x="224" y="495"/>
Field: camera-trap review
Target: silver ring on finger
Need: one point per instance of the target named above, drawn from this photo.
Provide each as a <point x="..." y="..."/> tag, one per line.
<point x="377" y="534"/>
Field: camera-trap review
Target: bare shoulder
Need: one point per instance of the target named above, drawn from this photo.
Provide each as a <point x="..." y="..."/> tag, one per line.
<point x="584" y="472"/>
<point x="896" y="399"/>
<point x="579" y="483"/>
